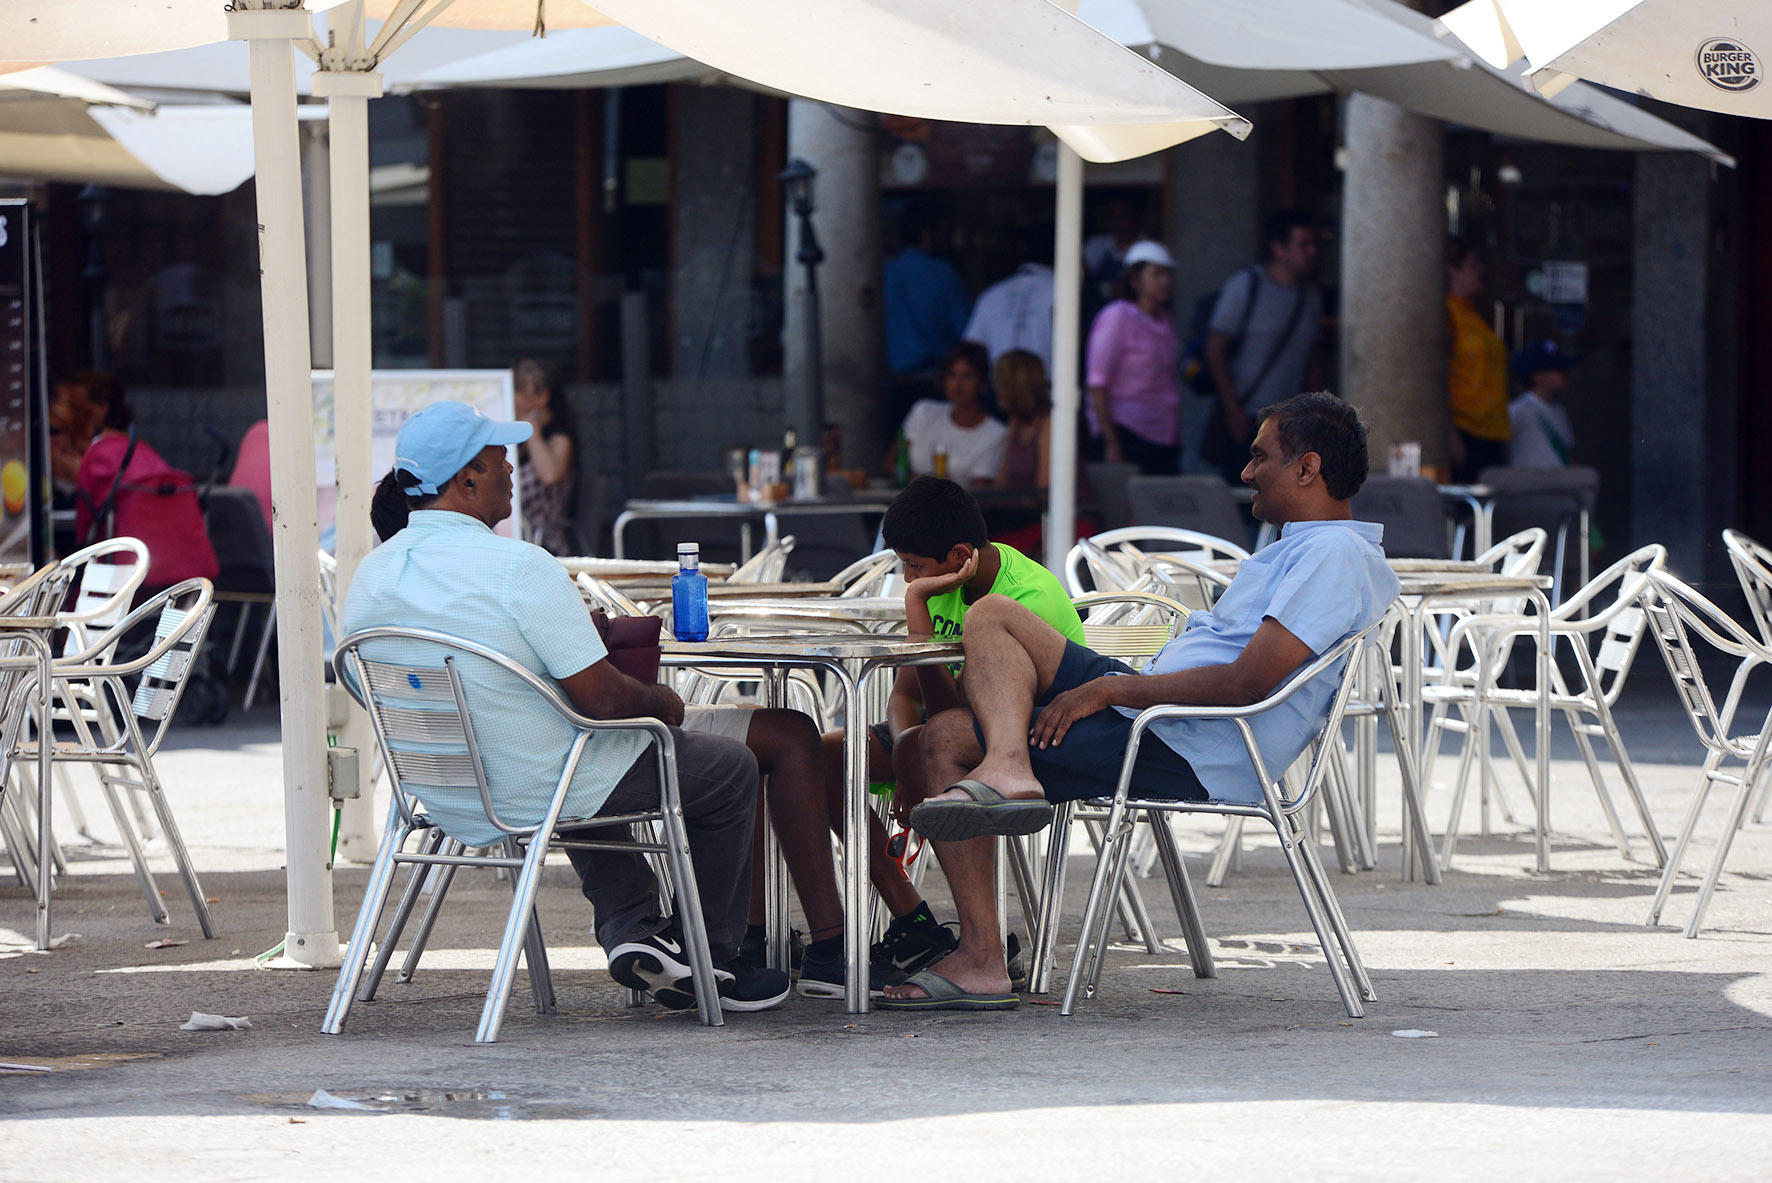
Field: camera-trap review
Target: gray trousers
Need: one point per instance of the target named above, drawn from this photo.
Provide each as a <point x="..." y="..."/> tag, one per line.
<point x="717" y="782"/>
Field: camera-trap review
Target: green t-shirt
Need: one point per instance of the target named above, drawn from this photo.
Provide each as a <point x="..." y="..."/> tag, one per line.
<point x="1022" y="580"/>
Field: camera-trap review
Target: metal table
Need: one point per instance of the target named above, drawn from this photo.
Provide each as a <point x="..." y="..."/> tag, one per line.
<point x="852" y="658"/>
<point x="746" y="513"/>
<point x="25" y="646"/>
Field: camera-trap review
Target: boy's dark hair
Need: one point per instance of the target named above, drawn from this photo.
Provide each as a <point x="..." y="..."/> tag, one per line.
<point x="1277" y="228"/>
<point x="931" y="517"/>
<point x="1321" y="423"/>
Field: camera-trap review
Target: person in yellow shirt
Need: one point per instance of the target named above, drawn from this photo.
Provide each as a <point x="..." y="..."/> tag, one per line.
<point x="1476" y="370"/>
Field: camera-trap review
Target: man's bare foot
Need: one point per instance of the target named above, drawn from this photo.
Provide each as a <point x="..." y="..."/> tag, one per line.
<point x="1011" y="783"/>
<point x="975" y="975"/>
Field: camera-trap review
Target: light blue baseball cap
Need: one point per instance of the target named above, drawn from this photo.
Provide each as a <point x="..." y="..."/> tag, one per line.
<point x="438" y="442"/>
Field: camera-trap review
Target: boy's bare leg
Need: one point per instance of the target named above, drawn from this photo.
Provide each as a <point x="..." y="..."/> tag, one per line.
<point x="1011" y="655"/>
<point x="950" y="751"/>
<point x="786" y="745"/>
<point x="899" y="894"/>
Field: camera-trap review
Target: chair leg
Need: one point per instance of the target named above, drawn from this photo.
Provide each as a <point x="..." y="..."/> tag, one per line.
<point x="690" y="918"/>
<point x="1095" y="908"/>
<point x="182" y="856"/>
<point x="516" y="935"/>
<point x="1737" y="814"/>
<point x="441" y="882"/>
<point x="1699" y="793"/>
<point x="1023" y="874"/>
<point x="1628" y="771"/>
<point x="1227" y="850"/>
<point x="381" y="879"/>
<point x="1604" y="794"/>
<point x="1181" y="891"/>
<point x="1338" y="923"/>
<point x="1045" y="937"/>
<point x="258" y="662"/>
<point x="1290" y="843"/>
<point x="390" y="940"/>
<point x="1122" y="851"/>
<point x="138" y="858"/>
<point x="1129" y="904"/>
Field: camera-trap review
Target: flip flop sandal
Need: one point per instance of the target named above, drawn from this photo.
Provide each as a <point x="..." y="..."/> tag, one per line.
<point x="988" y="813"/>
<point x="943" y="994"/>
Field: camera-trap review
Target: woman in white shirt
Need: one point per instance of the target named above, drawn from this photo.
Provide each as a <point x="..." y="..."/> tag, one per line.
<point x="958" y="426"/>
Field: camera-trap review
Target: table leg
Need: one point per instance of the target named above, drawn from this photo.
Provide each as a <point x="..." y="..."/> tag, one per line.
<point x="619" y="530"/>
<point x="1544" y="659"/>
<point x="774" y="869"/>
<point x="855" y="837"/>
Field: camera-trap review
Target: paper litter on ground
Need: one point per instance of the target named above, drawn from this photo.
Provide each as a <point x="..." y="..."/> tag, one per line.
<point x="1414" y="1033"/>
<point x="202" y="1022"/>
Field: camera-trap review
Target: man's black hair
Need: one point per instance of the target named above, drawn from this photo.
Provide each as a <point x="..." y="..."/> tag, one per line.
<point x="1321" y="423"/>
<point x="1277" y="228"/>
<point x="931" y="517"/>
<point x="392" y="505"/>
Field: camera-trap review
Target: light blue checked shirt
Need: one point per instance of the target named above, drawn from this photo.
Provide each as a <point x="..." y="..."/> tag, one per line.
<point x="449" y="573"/>
<point x="1323" y="581"/>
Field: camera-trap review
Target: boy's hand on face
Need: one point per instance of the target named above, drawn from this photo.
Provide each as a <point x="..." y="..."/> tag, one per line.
<point x="934" y="585"/>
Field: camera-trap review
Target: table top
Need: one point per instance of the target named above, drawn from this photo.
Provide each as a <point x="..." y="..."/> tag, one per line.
<point x="806" y="648"/>
<point x="659" y="592"/>
<point x="1483" y="583"/>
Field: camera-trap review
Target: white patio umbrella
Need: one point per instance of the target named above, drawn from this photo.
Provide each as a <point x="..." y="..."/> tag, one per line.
<point x="1007" y="61"/>
<point x="1711" y="54"/>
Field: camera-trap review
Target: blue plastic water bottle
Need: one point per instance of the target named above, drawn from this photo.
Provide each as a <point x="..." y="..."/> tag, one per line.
<point x="689" y="595"/>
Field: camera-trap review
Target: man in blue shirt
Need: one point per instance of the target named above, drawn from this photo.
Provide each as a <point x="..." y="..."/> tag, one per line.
<point x="441" y="567"/>
<point x="926" y="312"/>
<point x="1325" y="579"/>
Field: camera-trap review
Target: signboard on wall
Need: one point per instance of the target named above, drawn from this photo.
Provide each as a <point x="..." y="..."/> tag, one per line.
<point x="21" y="471"/>
<point x="395" y="395"/>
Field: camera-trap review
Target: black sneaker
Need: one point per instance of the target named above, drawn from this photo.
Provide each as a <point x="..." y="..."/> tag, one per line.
<point x="659" y="965"/>
<point x="1018" y="972"/>
<point x="744" y="986"/>
<point x="822" y="977"/>
<point x="912" y="943"/>
<point x="755" y="949"/>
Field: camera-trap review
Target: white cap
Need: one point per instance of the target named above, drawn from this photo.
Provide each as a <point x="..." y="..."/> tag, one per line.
<point x="1146" y="250"/>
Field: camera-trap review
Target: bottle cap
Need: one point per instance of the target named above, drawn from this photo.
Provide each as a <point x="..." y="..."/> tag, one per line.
<point x="689" y="548"/>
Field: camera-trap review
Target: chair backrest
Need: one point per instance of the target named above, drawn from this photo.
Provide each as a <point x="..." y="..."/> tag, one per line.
<point x="181" y="615"/>
<point x="422" y="718"/>
<point x="1107" y="481"/>
<point x="1677" y="613"/>
<point x="1194" y="584"/>
<point x="1200" y="503"/>
<point x="1411" y="512"/>
<point x="1132" y="626"/>
<point x="109" y="575"/>
<point x="868" y="575"/>
<point x="600" y="593"/>
<point x="242" y="543"/>
<point x="1520" y="553"/>
<point x="1619" y="623"/>
<point x="767" y="565"/>
<point x="1130" y="546"/>
<point x="1753" y="567"/>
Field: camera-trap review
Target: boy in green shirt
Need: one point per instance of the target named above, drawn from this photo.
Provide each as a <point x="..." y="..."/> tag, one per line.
<point x="938" y="532"/>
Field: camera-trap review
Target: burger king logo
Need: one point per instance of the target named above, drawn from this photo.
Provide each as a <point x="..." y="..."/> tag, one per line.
<point x="1728" y="65"/>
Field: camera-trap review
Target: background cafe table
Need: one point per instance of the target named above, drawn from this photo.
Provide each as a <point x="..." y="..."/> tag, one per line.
<point x="852" y="658"/>
<point x="747" y="512"/>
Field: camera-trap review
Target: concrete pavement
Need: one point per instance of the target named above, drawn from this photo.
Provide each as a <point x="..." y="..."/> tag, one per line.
<point x="1571" y="1041"/>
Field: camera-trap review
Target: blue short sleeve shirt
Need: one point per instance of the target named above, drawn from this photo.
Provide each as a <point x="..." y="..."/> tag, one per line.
<point x="1322" y="581"/>
<point x="449" y="573"/>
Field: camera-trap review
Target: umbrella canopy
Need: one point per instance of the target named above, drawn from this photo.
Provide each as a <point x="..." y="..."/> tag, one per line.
<point x="1709" y="54"/>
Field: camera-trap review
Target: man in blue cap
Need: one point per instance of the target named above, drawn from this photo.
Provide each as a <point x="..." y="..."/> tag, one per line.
<point x="1543" y="435"/>
<point x="441" y="567"/>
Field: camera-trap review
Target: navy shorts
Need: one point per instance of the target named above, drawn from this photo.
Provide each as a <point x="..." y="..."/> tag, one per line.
<point x="1087" y="763"/>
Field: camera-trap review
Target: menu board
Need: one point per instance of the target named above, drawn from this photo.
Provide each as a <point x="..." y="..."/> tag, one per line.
<point x="17" y="506"/>
<point x="394" y="396"/>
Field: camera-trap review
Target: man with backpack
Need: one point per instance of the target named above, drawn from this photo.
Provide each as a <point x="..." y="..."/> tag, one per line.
<point x="1261" y="343"/>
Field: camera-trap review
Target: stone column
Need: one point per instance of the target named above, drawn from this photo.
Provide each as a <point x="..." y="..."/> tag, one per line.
<point x="1393" y="285"/>
<point x="1673" y="459"/>
<point x="714" y="231"/>
<point x="1214" y="210"/>
<point x="841" y="144"/>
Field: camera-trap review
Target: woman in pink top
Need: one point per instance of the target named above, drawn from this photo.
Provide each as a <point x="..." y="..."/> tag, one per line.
<point x="1133" y="354"/>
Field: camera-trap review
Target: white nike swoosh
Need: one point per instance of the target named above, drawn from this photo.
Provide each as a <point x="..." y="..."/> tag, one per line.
<point x="669" y="945"/>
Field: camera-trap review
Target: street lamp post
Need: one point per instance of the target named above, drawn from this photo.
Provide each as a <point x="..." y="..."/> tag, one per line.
<point x="95" y="219"/>
<point x="808" y="416"/>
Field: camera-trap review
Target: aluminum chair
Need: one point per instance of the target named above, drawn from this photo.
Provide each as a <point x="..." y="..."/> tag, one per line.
<point x="1132" y="544"/>
<point x="1753" y="567"/>
<point x="1278" y="808"/>
<point x="767" y="565"/>
<point x="119" y="731"/>
<point x="31" y="601"/>
<point x="423" y="726"/>
<point x="1604" y="625"/>
<point x="1200" y="502"/>
<point x="1679" y="617"/>
<point x="868" y="575"/>
<point x="1131" y="626"/>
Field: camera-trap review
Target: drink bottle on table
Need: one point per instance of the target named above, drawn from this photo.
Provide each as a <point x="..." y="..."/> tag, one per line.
<point x="689" y="595"/>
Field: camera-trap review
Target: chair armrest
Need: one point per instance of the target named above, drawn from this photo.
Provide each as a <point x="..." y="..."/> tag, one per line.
<point x="1287" y="689"/>
<point x="74" y="665"/>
